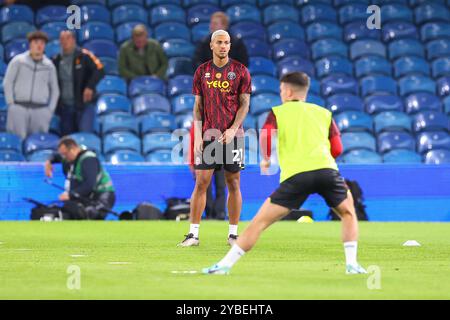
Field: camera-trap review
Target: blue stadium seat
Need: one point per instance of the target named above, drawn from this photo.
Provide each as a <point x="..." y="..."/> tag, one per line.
<point x="178" y="48"/>
<point x="110" y="65"/>
<point x="153" y="3"/>
<point x="399" y="30"/>
<point x="95" y="31"/>
<point x="154" y="141"/>
<point x="181" y="84"/>
<point x="124" y="30"/>
<point x="396" y="12"/>
<point x="14" y="30"/>
<point x="340" y="3"/>
<point x="363" y="48"/>
<point x="157" y="122"/>
<point x="52" y="48"/>
<point x="362" y="156"/>
<point x="378" y="84"/>
<point x="427" y="141"/>
<point x="431" y="12"/>
<point x="249" y="122"/>
<point x="40" y="141"/>
<point x="1" y="87"/>
<point x="315" y="99"/>
<point x="290" y="47"/>
<point x="51" y="13"/>
<point x="146" y="84"/>
<point x="372" y="65"/>
<point x="248" y="30"/>
<point x="53" y="29"/>
<point x="291" y="64"/>
<point x="344" y="102"/>
<point x="358" y="31"/>
<point x="265" y="3"/>
<point x="388" y="141"/>
<point x="328" y="47"/>
<point x="358" y="140"/>
<point x="121" y="141"/>
<point x="184" y="121"/>
<point x="258" y="48"/>
<point x="89" y="140"/>
<point x="415" y="3"/>
<point x="159" y="157"/>
<point x="333" y="64"/>
<point x="422" y="101"/>
<point x="199" y="32"/>
<point x="150" y="102"/>
<point x="438" y="48"/>
<point x="385" y="102"/>
<point x="16" y="13"/>
<point x="338" y="83"/>
<point x="411" y="65"/>
<point x="430" y="121"/>
<point x="40" y="155"/>
<point x="392" y="121"/>
<point x="265" y="84"/>
<point x="416" y="83"/>
<point x="243" y="12"/>
<point x="441" y="67"/>
<point x="200" y="13"/>
<point x="2" y="120"/>
<point x="229" y="3"/>
<point x="263" y="102"/>
<point x="280" y="12"/>
<point x="260" y="65"/>
<point x="353" y="12"/>
<point x="401" y="156"/>
<point x="285" y="30"/>
<point x="119" y="122"/>
<point x="437" y="157"/>
<point x="317" y="12"/>
<point x="354" y="121"/>
<point x="314" y="86"/>
<point x="167" y="13"/>
<point x="183" y="103"/>
<point x="95" y="12"/>
<point x="405" y="47"/>
<point x="112" y="84"/>
<point x="3" y="105"/>
<point x="172" y="30"/>
<point x="113" y="102"/>
<point x="10" y="141"/>
<point x="11" y="156"/>
<point x="102" y="48"/>
<point x="124" y="156"/>
<point x="116" y="3"/>
<point x="179" y="65"/>
<point x="320" y="30"/>
<point x="2" y="69"/>
<point x="435" y="30"/>
<point x="443" y="86"/>
<point x="81" y="2"/>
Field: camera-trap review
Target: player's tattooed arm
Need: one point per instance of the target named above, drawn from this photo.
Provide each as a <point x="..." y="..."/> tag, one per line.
<point x="197" y="116"/>
<point x="244" y="107"/>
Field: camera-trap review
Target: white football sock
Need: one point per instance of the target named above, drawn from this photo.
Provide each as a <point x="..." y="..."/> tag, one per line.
<point x="350" y="248"/>
<point x="194" y="229"/>
<point x="231" y="257"/>
<point x="233" y="229"/>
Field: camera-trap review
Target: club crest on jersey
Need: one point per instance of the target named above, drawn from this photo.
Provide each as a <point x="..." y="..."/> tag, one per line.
<point x="207" y="75"/>
<point x="218" y="75"/>
<point x="231" y="75"/>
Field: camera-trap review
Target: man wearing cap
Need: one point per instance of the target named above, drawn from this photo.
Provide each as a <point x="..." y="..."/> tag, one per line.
<point x="31" y="89"/>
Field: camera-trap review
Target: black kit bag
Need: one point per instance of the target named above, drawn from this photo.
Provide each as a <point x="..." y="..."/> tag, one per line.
<point x="147" y="211"/>
<point x="358" y="201"/>
<point x="177" y="209"/>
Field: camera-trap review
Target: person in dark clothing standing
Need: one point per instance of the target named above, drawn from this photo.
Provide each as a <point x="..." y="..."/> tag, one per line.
<point x="89" y="190"/>
<point x="219" y="21"/>
<point x="79" y="72"/>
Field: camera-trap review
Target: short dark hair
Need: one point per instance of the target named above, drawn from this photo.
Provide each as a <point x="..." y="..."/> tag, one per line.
<point x="35" y="35"/>
<point x="68" y="142"/>
<point x="297" y="78"/>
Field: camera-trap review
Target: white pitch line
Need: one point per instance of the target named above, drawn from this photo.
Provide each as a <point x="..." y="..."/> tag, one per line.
<point x="78" y="255"/>
<point x="118" y="263"/>
<point x="184" y="272"/>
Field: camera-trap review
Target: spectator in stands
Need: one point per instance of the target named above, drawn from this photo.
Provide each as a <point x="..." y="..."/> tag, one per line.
<point x="79" y="72"/>
<point x="31" y="89"/>
<point x="142" y="56"/>
<point x="91" y="193"/>
<point x="219" y="21"/>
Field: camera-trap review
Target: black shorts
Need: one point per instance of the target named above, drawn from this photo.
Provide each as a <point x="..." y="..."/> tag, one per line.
<point x="217" y="155"/>
<point x="328" y="183"/>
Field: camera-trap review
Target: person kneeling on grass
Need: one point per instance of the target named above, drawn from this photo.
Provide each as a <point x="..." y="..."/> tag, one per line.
<point x="305" y="135"/>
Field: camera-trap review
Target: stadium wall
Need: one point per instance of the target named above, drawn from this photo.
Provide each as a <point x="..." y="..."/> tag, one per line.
<point x="391" y="192"/>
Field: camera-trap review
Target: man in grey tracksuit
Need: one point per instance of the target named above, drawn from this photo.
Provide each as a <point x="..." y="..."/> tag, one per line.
<point x="31" y="89"/>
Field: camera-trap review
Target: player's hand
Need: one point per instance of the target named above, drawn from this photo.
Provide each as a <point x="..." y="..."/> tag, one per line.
<point x="88" y="94"/>
<point x="265" y="165"/>
<point x="64" y="196"/>
<point x="228" y="136"/>
<point x="198" y="146"/>
<point x="48" y="169"/>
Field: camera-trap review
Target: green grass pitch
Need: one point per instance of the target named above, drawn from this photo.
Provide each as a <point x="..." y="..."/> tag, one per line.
<point x="291" y="261"/>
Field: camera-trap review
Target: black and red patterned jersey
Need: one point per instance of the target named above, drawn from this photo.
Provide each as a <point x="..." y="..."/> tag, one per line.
<point x="220" y="89"/>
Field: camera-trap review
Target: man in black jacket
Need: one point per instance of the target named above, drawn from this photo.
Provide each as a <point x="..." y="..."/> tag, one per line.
<point x="79" y="71"/>
<point x="219" y="21"/>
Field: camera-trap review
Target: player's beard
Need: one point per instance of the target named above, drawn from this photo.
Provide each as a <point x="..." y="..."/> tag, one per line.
<point x="221" y="55"/>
